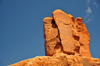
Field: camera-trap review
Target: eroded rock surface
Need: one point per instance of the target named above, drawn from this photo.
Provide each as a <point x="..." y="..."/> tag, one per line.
<point x="65" y="34"/>
<point x="59" y="59"/>
<point x="51" y="35"/>
<point x="66" y="43"/>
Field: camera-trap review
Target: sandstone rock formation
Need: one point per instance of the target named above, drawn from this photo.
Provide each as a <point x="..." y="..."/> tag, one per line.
<point x="59" y="59"/>
<point x="65" y="34"/>
<point x="66" y="43"/>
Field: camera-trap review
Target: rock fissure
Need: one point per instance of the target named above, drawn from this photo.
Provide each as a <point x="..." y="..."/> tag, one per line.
<point x="66" y="43"/>
<point x="69" y="34"/>
<point x="60" y="41"/>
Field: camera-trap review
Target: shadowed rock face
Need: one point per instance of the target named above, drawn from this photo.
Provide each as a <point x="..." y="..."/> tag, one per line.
<point x="65" y="34"/>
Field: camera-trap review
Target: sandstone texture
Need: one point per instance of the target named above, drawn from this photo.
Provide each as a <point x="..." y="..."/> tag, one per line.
<point x="66" y="43"/>
<point x="59" y="59"/>
<point x="65" y="34"/>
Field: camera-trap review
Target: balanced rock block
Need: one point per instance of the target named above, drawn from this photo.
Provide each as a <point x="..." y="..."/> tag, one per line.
<point x="64" y="34"/>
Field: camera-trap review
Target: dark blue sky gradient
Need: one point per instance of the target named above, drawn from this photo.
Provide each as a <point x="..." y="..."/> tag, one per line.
<point x="21" y="26"/>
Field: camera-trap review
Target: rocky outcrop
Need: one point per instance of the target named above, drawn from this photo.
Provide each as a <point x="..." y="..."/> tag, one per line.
<point x="52" y="41"/>
<point x="66" y="43"/>
<point x="59" y="59"/>
<point x="65" y="34"/>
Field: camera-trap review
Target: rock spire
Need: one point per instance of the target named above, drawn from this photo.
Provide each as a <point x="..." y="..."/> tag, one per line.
<point x="66" y="43"/>
<point x="65" y="34"/>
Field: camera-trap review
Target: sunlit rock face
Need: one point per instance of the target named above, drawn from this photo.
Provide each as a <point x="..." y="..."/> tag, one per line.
<point x="66" y="43"/>
<point x="65" y="34"/>
<point x="59" y="59"/>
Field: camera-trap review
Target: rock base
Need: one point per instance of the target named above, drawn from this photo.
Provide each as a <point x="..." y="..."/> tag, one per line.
<point x="59" y="59"/>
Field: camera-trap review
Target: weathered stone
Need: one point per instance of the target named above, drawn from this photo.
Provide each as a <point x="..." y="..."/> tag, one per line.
<point x="69" y="34"/>
<point x="84" y="37"/>
<point x="51" y="35"/>
<point x="66" y="43"/>
<point x="59" y="59"/>
<point x="64" y="23"/>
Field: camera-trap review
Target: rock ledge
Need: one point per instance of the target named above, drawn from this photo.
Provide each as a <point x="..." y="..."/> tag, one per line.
<point x="59" y="59"/>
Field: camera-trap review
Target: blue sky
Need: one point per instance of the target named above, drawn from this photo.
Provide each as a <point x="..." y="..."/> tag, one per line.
<point x="21" y="26"/>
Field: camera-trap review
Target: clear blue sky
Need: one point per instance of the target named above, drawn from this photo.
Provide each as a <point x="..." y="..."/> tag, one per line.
<point x="21" y="26"/>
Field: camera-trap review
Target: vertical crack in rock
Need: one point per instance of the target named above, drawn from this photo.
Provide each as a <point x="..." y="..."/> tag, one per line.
<point x="51" y="35"/>
<point x="58" y="46"/>
<point x="64" y="23"/>
<point x="66" y="43"/>
<point x="65" y="34"/>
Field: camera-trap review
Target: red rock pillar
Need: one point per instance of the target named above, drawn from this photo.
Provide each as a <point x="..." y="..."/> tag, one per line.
<point x="65" y="34"/>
